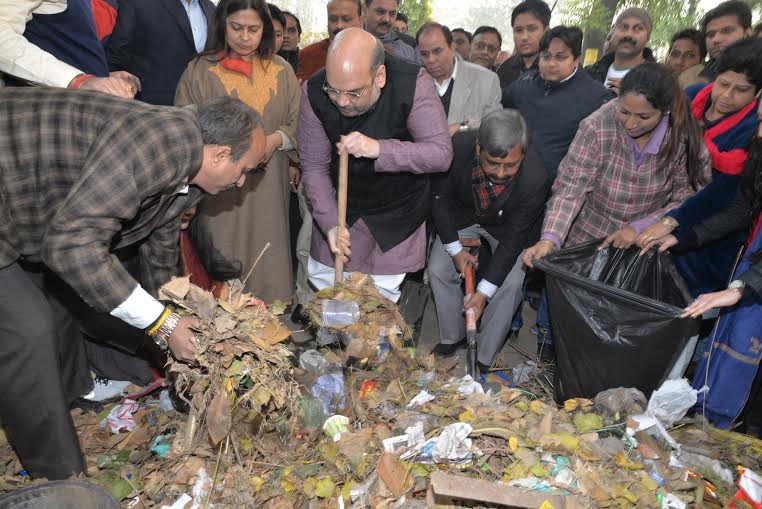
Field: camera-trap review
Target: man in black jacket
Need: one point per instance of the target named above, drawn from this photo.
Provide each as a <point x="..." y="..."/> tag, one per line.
<point x="632" y="31"/>
<point x="155" y="40"/>
<point x="497" y="198"/>
<point x="529" y="20"/>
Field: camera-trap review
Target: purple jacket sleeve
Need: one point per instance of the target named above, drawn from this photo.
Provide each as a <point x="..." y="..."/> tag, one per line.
<point x="431" y="148"/>
<point x="315" y="156"/>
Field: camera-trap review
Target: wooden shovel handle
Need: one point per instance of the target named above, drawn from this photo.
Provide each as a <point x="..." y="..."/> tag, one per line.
<point x="469" y="276"/>
<point x="342" y="206"/>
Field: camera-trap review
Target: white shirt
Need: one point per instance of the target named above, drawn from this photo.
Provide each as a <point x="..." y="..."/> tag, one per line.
<point x="197" y="22"/>
<point x="442" y="89"/>
<point x="614" y="73"/>
<point x="21" y="58"/>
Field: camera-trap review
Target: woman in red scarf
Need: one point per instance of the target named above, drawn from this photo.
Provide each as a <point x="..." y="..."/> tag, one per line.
<point x="726" y="108"/>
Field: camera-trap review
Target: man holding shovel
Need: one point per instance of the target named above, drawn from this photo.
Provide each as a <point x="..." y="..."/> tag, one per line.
<point x="494" y="192"/>
<point x="386" y="115"/>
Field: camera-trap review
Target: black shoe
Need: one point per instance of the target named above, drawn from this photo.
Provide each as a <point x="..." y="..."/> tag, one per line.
<point x="87" y="405"/>
<point x="448" y="350"/>
<point x="483" y="368"/>
<point x="299" y="316"/>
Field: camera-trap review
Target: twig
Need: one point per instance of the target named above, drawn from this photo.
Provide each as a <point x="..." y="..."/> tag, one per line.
<point x="529" y="357"/>
<point x="216" y="471"/>
<point x="251" y="270"/>
<point x="269" y="464"/>
<point x="235" y="451"/>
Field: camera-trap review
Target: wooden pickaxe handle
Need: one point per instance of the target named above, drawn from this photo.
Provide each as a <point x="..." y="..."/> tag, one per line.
<point x="341" y="194"/>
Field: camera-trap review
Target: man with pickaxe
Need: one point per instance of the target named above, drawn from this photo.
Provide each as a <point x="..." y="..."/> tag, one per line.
<point x="495" y="191"/>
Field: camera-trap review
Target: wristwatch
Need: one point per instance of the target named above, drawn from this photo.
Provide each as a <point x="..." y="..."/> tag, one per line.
<point x="161" y="336"/>
<point x="669" y="222"/>
<point x="737" y="285"/>
<point x="463" y="126"/>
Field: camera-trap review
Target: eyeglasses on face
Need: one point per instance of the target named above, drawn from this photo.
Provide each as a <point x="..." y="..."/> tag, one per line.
<point x="352" y="95"/>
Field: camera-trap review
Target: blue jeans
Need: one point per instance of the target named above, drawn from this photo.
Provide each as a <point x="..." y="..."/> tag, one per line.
<point x="544" y="331"/>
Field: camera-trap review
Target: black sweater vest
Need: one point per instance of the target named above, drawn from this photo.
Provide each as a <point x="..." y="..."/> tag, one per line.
<point x="393" y="205"/>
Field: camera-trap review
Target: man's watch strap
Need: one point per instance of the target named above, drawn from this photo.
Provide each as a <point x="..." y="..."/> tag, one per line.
<point x="163" y="328"/>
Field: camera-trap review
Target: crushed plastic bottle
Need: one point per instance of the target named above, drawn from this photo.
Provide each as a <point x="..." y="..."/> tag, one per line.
<point x="339" y="313"/>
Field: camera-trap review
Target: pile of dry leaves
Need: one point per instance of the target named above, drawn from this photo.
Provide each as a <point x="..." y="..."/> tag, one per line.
<point x="418" y="433"/>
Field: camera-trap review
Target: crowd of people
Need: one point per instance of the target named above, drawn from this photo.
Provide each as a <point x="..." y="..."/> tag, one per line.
<point x="153" y="138"/>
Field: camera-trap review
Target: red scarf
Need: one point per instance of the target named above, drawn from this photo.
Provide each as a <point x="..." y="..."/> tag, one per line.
<point x="192" y="265"/>
<point x="485" y="191"/>
<point x="235" y="62"/>
<point x="729" y="162"/>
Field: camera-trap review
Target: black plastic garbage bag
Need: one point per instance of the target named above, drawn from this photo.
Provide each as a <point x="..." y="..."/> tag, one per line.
<point x="615" y="318"/>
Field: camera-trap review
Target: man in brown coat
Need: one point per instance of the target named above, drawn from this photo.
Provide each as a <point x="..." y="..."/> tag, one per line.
<point x="83" y="175"/>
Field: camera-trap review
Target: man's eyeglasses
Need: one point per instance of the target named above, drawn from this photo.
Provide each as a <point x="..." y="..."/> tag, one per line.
<point x="481" y="46"/>
<point x="558" y="57"/>
<point x="352" y="95"/>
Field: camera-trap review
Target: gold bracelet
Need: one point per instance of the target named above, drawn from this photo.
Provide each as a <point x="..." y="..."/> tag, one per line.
<point x="159" y="322"/>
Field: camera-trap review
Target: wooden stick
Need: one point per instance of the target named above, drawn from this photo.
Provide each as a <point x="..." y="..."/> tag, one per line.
<point x="251" y="270"/>
<point x="342" y="205"/>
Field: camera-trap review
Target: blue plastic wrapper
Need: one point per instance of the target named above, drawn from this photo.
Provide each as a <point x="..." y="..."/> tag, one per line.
<point x="329" y="389"/>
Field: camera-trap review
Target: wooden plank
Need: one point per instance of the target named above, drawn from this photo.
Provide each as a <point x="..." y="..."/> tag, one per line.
<point x="447" y="488"/>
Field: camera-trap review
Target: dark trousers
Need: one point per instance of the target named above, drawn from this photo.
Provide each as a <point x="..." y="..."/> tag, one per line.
<point x="44" y="367"/>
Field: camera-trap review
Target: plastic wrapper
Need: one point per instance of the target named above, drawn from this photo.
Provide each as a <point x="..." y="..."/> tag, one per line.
<point x="329" y="389"/>
<point x="672" y="401"/>
<point x="749" y="488"/>
<point x="609" y="308"/>
<point x="453" y="444"/>
<point x="121" y="418"/>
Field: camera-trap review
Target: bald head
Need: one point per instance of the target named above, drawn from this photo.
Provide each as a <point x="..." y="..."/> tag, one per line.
<point x="353" y="49"/>
<point x="355" y="65"/>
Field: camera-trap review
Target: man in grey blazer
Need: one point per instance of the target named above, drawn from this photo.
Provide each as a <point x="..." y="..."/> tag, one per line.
<point x="468" y="91"/>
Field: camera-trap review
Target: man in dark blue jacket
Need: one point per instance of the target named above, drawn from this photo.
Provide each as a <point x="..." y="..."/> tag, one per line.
<point x="155" y="40"/>
<point x="554" y="99"/>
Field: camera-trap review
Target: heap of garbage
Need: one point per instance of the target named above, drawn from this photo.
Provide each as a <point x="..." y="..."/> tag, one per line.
<point x="372" y="423"/>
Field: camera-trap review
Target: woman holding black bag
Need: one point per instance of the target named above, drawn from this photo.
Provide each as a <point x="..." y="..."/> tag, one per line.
<point x="730" y="367"/>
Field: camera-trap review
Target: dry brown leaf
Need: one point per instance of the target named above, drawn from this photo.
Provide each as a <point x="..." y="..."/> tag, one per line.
<point x="261" y="343"/>
<point x="546" y="425"/>
<point x="273" y="333"/>
<point x="202" y="302"/>
<point x="224" y="323"/>
<point x="175" y="289"/>
<point x="394" y="474"/>
<point x="218" y="419"/>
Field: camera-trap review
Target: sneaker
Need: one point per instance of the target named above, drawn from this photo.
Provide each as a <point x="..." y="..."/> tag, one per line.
<point x="448" y="350"/>
<point x="105" y="390"/>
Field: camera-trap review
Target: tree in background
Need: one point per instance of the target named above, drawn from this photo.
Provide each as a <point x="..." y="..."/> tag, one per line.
<point x="418" y="12"/>
<point x="596" y="17"/>
<point x="491" y="13"/>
